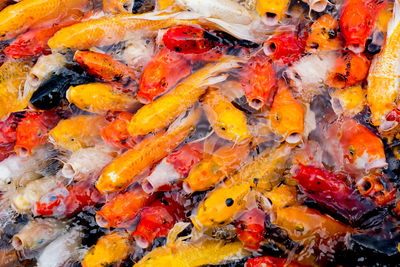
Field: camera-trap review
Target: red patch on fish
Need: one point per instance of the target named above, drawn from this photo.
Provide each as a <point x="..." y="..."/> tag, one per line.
<point x="186" y="157"/>
<point x="251" y="228"/>
<point x="116" y="133"/>
<point x="163" y="71"/>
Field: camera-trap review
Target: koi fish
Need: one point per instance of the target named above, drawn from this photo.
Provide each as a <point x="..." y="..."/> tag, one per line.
<point x="156" y="220"/>
<point x="174" y="167"/>
<point x="77" y="132"/>
<point x="227" y="121"/>
<point x="28" y="14"/>
<point x="100" y="98"/>
<point x="116" y="133"/>
<point x="324" y="35"/>
<point x="121" y="210"/>
<point x="378" y="188"/>
<point x="285" y="48"/>
<point x="211" y="170"/>
<point x="12" y="77"/>
<point x="348" y="102"/>
<point x="193" y="253"/>
<point x="357" y="26"/>
<point x="34" y="42"/>
<point x="163" y="71"/>
<point x="250" y="228"/>
<point x="108" y="69"/>
<point x="109" y="30"/>
<point x="38" y="233"/>
<point x="286" y="116"/>
<point x="87" y="162"/>
<point x="226" y="10"/>
<point x="281" y="196"/>
<point x="163" y="111"/>
<point x="33" y="130"/>
<point x="110" y="248"/>
<point x="272" y="12"/>
<point x="25" y="197"/>
<point x="330" y="191"/>
<point x="118" y="6"/>
<point x="349" y="69"/>
<point x="356" y="147"/>
<point x="124" y="170"/>
<point x="258" y="81"/>
<point x="67" y="201"/>
<point x="382" y="88"/>
<point x="305" y="225"/>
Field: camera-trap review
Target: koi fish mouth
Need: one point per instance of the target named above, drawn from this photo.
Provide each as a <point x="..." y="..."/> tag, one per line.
<point x="376" y="164"/>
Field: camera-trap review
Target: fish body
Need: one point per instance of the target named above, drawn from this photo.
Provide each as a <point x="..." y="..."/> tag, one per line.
<point x="159" y="114"/>
<point x="164" y="70"/>
<point x="357" y="21"/>
<point x="77" y="132"/>
<point x="329" y="190"/>
<point x="108" y="69"/>
<point x="67" y="201"/>
<point x="250" y="228"/>
<point x="33" y="130"/>
<point x="28" y="14"/>
<point x="121" y="210"/>
<point x="324" y="35"/>
<point x="349" y="101"/>
<point x="227" y="121"/>
<point x="258" y="81"/>
<point x="100" y="98"/>
<point x="199" y="253"/>
<point x="124" y="170"/>
<point x="33" y="43"/>
<point x="286" y="47"/>
<point x="286" y="116"/>
<point x="211" y="170"/>
<point x="116" y="133"/>
<point x="355" y="147"/>
<point x="12" y="77"/>
<point x="156" y="220"/>
<point x="110" y="248"/>
<point x="349" y="69"/>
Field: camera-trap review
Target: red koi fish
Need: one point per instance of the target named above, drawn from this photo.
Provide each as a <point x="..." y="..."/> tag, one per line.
<point x="329" y="190"/>
<point x="67" y="201"/>
<point x="286" y="47"/>
<point x="34" y="42"/>
<point x="269" y="261"/>
<point x="355" y="147"/>
<point x="173" y="168"/>
<point x="357" y="21"/>
<point x="163" y="71"/>
<point x="8" y="134"/>
<point x="121" y="210"/>
<point x="194" y="42"/>
<point x="251" y="228"/>
<point x="115" y="133"/>
<point x="378" y="188"/>
<point x="108" y="69"/>
<point x="349" y="69"/>
<point x="33" y="130"/>
<point x="156" y="220"/>
<point x="258" y="81"/>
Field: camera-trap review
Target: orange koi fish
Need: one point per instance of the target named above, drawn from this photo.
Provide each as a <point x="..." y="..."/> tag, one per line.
<point x="124" y="170"/>
<point x="357" y="21"/>
<point x="287" y="115"/>
<point x="258" y="81"/>
<point x="356" y="147"/>
<point x="121" y="210"/>
<point x="28" y="14"/>
<point x="108" y="69"/>
<point x="349" y="69"/>
<point x="33" y="130"/>
<point x="117" y="6"/>
<point x="116" y="132"/>
<point x="324" y="35"/>
<point x="163" y="71"/>
<point x="378" y="188"/>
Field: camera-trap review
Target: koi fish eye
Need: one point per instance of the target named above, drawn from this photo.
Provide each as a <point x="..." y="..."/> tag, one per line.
<point x="352" y="150"/>
<point x="163" y="82"/>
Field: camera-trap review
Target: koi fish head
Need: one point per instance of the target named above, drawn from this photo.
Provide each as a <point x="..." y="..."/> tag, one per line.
<point x="361" y="147"/>
<point x="324" y="35"/>
<point x="356" y="28"/>
<point x="205" y="173"/>
<point x="53" y="203"/>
